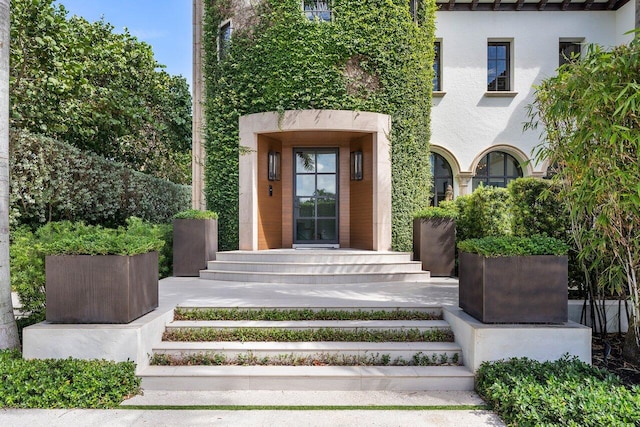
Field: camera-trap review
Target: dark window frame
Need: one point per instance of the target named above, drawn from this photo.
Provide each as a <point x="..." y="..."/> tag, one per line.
<point x="493" y="61"/>
<point x="574" y="54"/>
<point x="437" y="66"/>
<point x="224" y="38"/>
<point x="438" y="196"/>
<point x="486" y="178"/>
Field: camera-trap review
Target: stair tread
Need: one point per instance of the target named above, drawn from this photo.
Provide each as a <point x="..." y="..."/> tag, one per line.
<point x="317" y="346"/>
<point x="305" y="371"/>
<point x="286" y="273"/>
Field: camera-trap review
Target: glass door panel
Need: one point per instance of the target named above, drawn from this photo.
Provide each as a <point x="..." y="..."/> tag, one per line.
<point x="316" y="196"/>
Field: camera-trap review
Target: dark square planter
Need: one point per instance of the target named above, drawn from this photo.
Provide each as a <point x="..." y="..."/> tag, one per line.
<point x="517" y="289"/>
<point x="434" y="243"/>
<point x="102" y="288"/>
<point x="195" y="242"/>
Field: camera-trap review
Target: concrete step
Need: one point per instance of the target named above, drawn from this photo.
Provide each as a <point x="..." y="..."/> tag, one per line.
<point x="435" y="310"/>
<point x="404" y="350"/>
<point x="314" y="268"/>
<point x="392" y="378"/>
<point x="315" y="256"/>
<point x="319" y="279"/>
<point x="351" y="325"/>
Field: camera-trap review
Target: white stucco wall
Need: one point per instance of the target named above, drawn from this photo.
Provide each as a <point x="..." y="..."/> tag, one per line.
<point x="625" y="21"/>
<point x="465" y="121"/>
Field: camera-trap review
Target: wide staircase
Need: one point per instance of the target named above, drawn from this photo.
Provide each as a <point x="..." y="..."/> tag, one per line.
<point x="314" y="266"/>
<point x="279" y="347"/>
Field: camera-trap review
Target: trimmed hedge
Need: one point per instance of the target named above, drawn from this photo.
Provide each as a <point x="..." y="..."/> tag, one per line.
<point x="536" y="208"/>
<point x="196" y="214"/>
<point x="566" y="392"/>
<point x="497" y="246"/>
<point x="53" y="181"/>
<point x="444" y="212"/>
<point x="372" y="57"/>
<point x="64" y="383"/>
<point x="28" y="250"/>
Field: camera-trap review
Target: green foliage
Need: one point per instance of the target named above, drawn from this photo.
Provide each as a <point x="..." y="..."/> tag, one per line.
<point x="66" y="383"/>
<point x="495" y="246"/>
<point x="371" y="57"/>
<point x="54" y="181"/>
<point x="566" y="392"/>
<point x="485" y="212"/>
<point x="28" y="250"/>
<point x="99" y="90"/>
<point x="536" y="208"/>
<point x="308" y="335"/>
<point x="591" y="115"/>
<point x="265" y="314"/>
<point x="136" y="239"/>
<point x="319" y="359"/>
<point x="448" y="211"/>
<point x="196" y="214"/>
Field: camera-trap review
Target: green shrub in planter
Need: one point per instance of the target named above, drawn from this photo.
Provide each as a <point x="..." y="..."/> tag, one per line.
<point x="29" y="248"/>
<point x="196" y="214"/>
<point x="434" y="239"/>
<point x="513" y="279"/>
<point x="443" y="212"/>
<point x="566" y="392"/>
<point x="497" y="246"/>
<point x="485" y="212"/>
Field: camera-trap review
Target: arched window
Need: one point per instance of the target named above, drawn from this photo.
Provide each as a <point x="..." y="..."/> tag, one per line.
<point x="442" y="179"/>
<point x="497" y="169"/>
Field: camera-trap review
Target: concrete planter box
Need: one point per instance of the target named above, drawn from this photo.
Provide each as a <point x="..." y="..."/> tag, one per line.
<point x="434" y="243"/>
<point x="102" y="288"/>
<point x="195" y="242"/>
<point x="516" y="289"/>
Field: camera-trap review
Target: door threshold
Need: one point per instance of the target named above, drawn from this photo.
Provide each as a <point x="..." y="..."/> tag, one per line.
<point x="315" y="246"/>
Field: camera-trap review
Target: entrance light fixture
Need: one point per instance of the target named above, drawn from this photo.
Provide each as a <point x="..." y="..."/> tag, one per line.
<point x="356" y="166"/>
<point x="274" y="166"/>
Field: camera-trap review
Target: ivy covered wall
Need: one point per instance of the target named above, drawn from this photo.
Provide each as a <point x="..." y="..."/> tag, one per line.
<point x="372" y="56"/>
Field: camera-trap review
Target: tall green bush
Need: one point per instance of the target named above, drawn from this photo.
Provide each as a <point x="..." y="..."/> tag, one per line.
<point x="591" y="116"/>
<point x="53" y="181"/>
<point x="536" y="208"/>
<point x="372" y="56"/>
<point x="485" y="212"/>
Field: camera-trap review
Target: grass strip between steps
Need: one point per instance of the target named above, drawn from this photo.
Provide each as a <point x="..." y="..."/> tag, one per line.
<point x="273" y="314"/>
<point x="307" y="407"/>
<point x="307" y="335"/>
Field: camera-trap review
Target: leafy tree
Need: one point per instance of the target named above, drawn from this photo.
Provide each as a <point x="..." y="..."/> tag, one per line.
<point x="591" y="115"/>
<point x="99" y="90"/>
<point x="8" y="329"/>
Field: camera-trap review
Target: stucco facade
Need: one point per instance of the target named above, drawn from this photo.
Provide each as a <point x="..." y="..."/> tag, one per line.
<point x="468" y="121"/>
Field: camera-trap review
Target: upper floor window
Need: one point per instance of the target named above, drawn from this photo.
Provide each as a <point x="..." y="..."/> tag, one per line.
<point x="569" y="51"/>
<point x="437" y="81"/>
<point x="497" y="169"/>
<point x="317" y="9"/>
<point x="224" y="38"/>
<point x="499" y="66"/>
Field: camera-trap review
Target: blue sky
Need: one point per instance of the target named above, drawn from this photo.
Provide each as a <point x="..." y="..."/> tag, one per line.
<point x="164" y="24"/>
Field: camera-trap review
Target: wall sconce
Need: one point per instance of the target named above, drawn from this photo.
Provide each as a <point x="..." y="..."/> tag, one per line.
<point x="356" y="166"/>
<point x="274" y="166"/>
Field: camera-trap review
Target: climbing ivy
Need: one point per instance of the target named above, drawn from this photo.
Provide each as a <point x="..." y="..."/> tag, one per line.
<point x="372" y="56"/>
